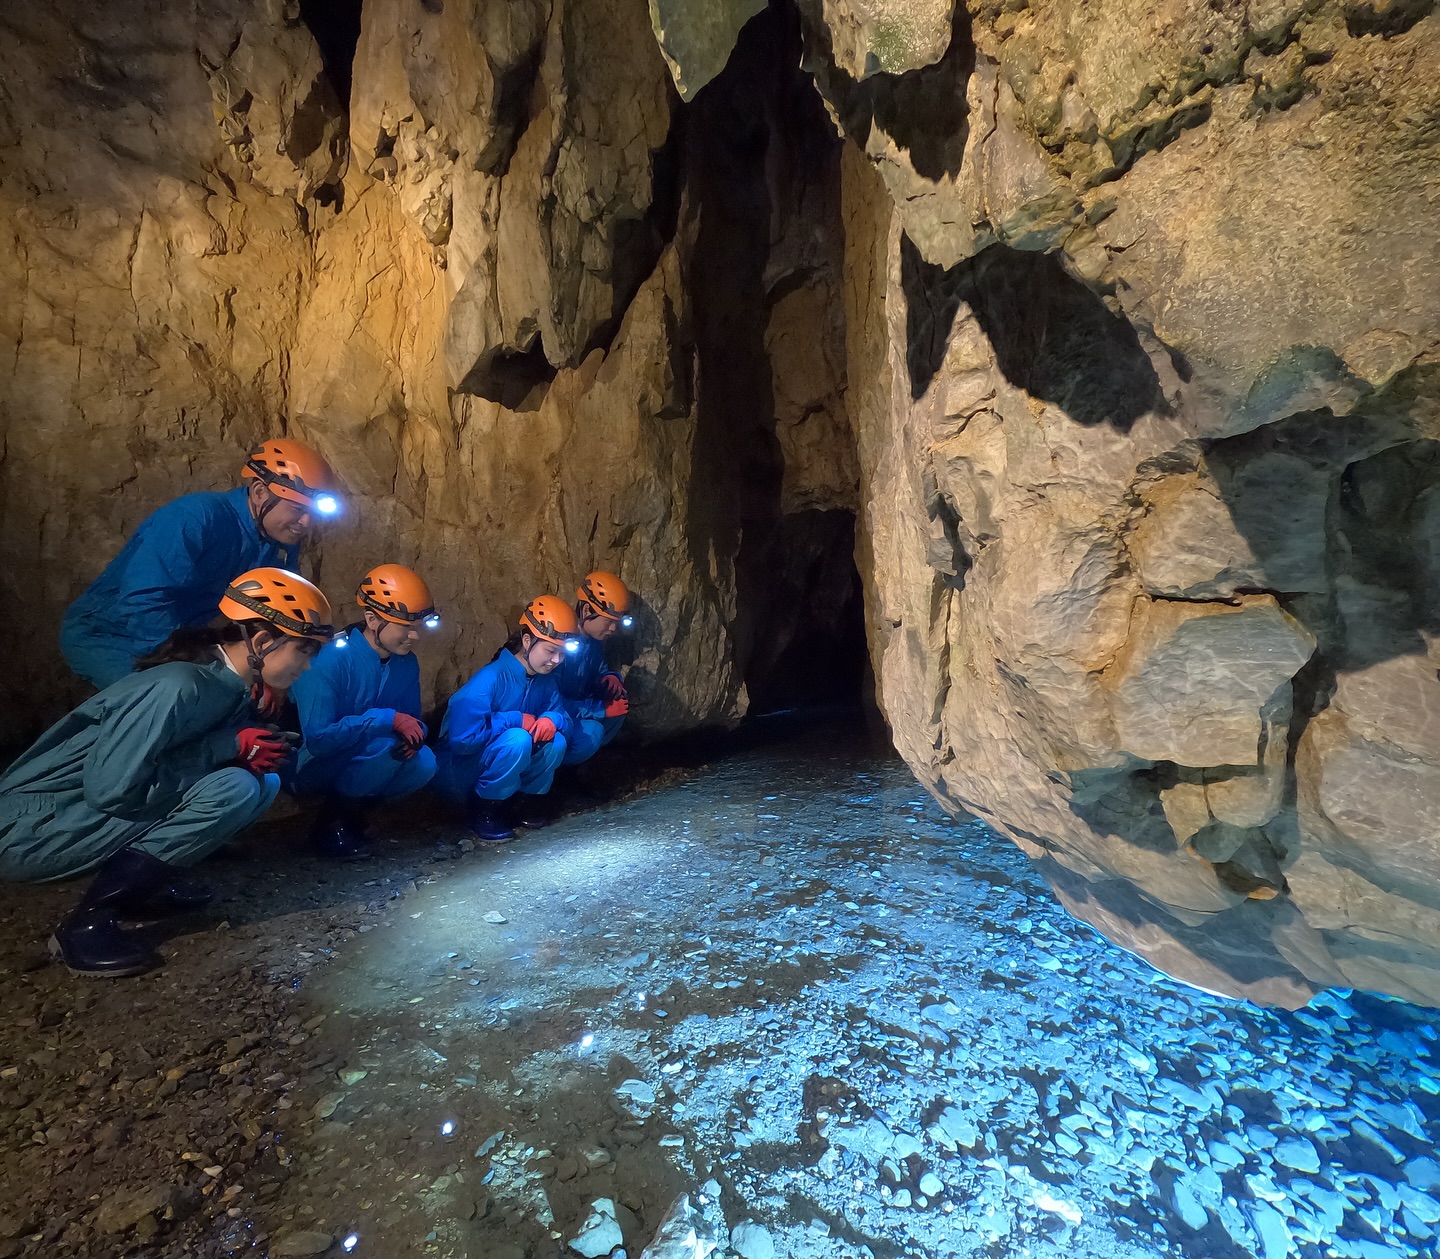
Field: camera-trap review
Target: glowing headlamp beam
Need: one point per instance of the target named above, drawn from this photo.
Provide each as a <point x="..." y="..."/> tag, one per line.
<point x="627" y="622"/>
<point x="325" y="504"/>
<point x="432" y="621"/>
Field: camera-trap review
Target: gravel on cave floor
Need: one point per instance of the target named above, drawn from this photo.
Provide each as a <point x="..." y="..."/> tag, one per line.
<point x="782" y="986"/>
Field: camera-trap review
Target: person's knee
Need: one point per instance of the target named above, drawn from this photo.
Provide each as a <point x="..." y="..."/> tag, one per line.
<point x="413" y="774"/>
<point x="582" y="742"/>
<point x="611" y="727"/>
<point x="552" y="753"/>
<point x="233" y="788"/>
<point x="511" y="750"/>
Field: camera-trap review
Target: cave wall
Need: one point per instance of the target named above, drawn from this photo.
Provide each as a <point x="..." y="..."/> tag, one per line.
<point x="1148" y="330"/>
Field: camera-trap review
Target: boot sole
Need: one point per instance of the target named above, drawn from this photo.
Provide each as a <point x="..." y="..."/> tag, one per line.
<point x="139" y="968"/>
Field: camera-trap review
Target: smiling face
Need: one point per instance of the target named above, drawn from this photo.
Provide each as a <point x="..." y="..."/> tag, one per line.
<point x="539" y="655"/>
<point x="289" y="658"/>
<point x="391" y="638"/>
<point x="279" y="519"/>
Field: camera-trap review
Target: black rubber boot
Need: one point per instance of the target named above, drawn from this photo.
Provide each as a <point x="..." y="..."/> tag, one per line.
<point x="88" y="940"/>
<point x="174" y="892"/>
<point x="490" y="821"/>
<point x="334" y="834"/>
<point x="534" y="813"/>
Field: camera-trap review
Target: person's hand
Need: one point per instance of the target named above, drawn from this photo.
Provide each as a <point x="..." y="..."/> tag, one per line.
<point x="617" y="707"/>
<point x="261" y="751"/>
<point x="527" y="722"/>
<point x="612" y="686"/>
<point x="543" y="730"/>
<point x="269" y="703"/>
<point x="409" y="730"/>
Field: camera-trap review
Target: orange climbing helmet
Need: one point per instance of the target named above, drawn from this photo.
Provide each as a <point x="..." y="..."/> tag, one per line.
<point x="607" y="595"/>
<point x="291" y="604"/>
<point x="551" y="618"/>
<point x="292" y="470"/>
<point x="399" y="595"/>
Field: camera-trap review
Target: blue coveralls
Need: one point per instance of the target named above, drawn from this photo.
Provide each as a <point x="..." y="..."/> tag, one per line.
<point x="483" y="748"/>
<point x="578" y="677"/>
<point x="172" y="572"/>
<point x="348" y="700"/>
<point x="144" y="764"/>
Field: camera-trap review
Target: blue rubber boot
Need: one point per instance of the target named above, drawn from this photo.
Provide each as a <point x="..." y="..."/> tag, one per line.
<point x="490" y="822"/>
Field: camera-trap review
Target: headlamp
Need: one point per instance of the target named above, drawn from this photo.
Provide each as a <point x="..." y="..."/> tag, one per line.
<point x="341" y="640"/>
<point x="627" y="621"/>
<point x="572" y="646"/>
<point x="432" y="621"/>
<point x="325" y="504"/>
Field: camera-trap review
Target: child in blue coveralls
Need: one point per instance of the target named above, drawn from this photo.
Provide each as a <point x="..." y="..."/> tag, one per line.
<point x="359" y="711"/>
<point x="505" y="731"/>
<point x="594" y="693"/>
<point x="159" y="769"/>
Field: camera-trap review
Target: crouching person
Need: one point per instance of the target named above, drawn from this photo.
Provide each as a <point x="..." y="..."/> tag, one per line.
<point x="594" y="693"/>
<point x="359" y="711"/>
<point x="504" y="733"/>
<point x="159" y="769"/>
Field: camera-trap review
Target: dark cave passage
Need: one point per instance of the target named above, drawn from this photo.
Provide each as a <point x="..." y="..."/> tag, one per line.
<point x="335" y="24"/>
<point x="809" y="640"/>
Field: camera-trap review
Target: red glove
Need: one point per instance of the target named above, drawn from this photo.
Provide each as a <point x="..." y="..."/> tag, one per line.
<point x="543" y="730"/>
<point x="612" y="686"/>
<point x="410" y="730"/>
<point x="617" y="707"/>
<point x="527" y="722"/>
<point x="261" y="751"/>
<point x="269" y="703"/>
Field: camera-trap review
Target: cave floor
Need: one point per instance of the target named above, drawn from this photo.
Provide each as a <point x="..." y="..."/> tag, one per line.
<point x="783" y="984"/>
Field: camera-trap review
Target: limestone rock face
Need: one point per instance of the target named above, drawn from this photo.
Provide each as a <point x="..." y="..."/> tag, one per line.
<point x="1148" y="467"/>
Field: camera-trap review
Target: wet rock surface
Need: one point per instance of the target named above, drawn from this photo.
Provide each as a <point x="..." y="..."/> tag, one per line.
<point x="784" y="987"/>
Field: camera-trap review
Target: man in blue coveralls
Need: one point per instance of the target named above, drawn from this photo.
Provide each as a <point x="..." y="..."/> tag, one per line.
<point x="360" y="712"/>
<point x="594" y="693"/>
<point x="175" y="566"/>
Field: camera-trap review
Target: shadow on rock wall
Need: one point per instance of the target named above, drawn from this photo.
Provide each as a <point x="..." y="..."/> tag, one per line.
<point x="1051" y="335"/>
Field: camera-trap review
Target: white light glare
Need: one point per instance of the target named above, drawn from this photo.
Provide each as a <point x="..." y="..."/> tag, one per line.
<point x="326" y="504"/>
<point x="571" y="646"/>
<point x="587" y="1040"/>
<point x="432" y="621"/>
<point x="340" y="640"/>
<point x="627" y="621"/>
<point x="447" y="1127"/>
<point x="350" y="1242"/>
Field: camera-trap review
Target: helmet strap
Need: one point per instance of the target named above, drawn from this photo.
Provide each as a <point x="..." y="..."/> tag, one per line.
<point x="272" y="500"/>
<point x="255" y="656"/>
<point x="372" y="636"/>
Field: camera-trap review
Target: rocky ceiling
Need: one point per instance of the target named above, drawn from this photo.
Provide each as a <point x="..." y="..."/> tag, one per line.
<point x="1105" y="333"/>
